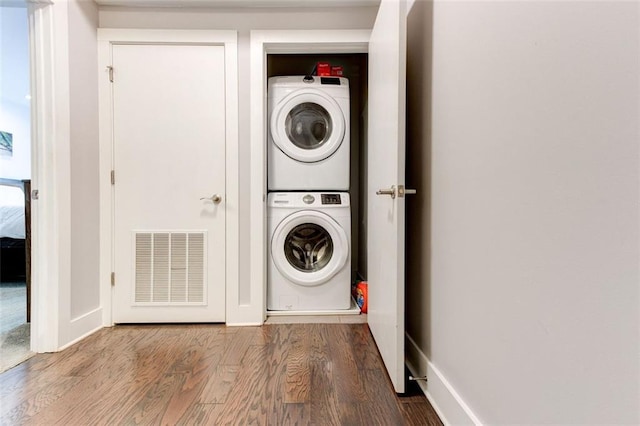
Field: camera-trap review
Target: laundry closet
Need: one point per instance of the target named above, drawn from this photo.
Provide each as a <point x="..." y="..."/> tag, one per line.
<point x="380" y="173"/>
<point x="327" y="162"/>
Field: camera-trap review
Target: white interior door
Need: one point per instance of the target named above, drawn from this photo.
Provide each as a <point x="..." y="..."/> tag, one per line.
<point x="169" y="152"/>
<point x="386" y="159"/>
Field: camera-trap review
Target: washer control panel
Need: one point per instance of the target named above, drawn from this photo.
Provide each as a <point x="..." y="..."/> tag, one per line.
<point x="330" y="199"/>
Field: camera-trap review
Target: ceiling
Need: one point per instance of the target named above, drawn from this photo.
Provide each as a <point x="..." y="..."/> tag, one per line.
<point x="239" y="3"/>
<point x="220" y="4"/>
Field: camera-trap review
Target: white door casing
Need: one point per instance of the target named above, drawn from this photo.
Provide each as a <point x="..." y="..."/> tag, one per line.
<point x="386" y="214"/>
<point x="50" y="168"/>
<point x="169" y="130"/>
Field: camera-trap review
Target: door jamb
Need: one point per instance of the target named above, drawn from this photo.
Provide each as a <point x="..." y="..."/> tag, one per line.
<point x="226" y="38"/>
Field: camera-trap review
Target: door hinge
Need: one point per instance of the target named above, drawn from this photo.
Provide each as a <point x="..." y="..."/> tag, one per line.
<point x="113" y="177"/>
<point x="113" y="278"/>
<point x="110" y="68"/>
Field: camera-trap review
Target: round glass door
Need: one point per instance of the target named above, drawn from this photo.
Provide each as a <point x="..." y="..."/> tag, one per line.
<point x="308" y="247"/>
<point x="307" y="125"/>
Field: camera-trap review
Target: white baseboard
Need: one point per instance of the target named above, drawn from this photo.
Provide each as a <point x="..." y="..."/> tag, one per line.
<point x="244" y="324"/>
<point x="83" y="326"/>
<point x="449" y="406"/>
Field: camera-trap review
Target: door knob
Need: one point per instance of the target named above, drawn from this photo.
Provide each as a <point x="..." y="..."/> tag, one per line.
<point x="391" y="191"/>
<point x="215" y="198"/>
<point x="402" y="191"/>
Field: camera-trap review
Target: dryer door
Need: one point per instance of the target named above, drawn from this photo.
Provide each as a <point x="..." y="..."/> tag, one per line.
<point x="309" y="248"/>
<point x="307" y="125"/>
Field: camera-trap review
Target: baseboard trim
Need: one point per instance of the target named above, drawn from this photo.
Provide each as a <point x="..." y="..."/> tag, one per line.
<point x="449" y="406"/>
<point x="84" y="326"/>
<point x="244" y="324"/>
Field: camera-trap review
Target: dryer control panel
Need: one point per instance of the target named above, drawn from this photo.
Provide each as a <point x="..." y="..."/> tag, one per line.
<point x="330" y="199"/>
<point x="330" y="80"/>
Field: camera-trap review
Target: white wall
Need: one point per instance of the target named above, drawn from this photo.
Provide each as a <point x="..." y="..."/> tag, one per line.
<point x="531" y="308"/>
<point x="242" y="20"/>
<point x="83" y="92"/>
<point x="14" y="87"/>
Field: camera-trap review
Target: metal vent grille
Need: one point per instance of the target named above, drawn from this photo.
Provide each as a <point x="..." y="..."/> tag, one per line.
<point x="169" y="267"/>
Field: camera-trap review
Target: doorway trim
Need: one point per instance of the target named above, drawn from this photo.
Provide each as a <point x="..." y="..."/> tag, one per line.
<point x="226" y="38"/>
<point x="264" y="42"/>
<point x="50" y="176"/>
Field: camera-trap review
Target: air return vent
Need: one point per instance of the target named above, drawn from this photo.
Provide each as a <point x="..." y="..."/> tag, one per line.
<point x="169" y="268"/>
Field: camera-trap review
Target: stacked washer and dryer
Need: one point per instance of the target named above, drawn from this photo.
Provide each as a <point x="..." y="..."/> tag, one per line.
<point x="308" y="206"/>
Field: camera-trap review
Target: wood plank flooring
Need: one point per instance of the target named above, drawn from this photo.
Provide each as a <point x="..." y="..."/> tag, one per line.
<point x="278" y="374"/>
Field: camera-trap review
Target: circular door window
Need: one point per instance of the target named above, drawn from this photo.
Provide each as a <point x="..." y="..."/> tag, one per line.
<point x="309" y="247"/>
<point x="307" y="125"/>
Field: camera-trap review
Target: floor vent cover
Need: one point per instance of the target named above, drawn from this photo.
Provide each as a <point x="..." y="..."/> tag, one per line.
<point x="169" y="268"/>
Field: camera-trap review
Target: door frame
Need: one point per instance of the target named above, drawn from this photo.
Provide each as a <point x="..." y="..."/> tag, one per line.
<point x="226" y="38"/>
<point x="50" y="176"/>
<point x="264" y="42"/>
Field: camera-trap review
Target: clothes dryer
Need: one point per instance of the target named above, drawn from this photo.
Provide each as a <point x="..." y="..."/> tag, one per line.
<point x="309" y="260"/>
<point x="308" y="138"/>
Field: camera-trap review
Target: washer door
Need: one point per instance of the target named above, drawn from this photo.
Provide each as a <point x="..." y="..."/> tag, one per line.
<point x="309" y="248"/>
<point x="307" y="125"/>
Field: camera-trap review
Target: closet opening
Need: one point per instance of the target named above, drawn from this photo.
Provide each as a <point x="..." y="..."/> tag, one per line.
<point x="354" y="68"/>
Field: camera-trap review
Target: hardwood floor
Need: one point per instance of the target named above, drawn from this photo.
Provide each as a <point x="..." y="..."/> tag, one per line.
<point x="278" y="374"/>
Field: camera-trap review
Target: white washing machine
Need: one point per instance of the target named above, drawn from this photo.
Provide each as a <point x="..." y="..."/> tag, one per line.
<point x="309" y="265"/>
<point x="309" y="127"/>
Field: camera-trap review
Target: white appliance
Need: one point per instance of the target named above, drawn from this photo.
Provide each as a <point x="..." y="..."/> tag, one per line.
<point x="309" y="265"/>
<point x="309" y="127"/>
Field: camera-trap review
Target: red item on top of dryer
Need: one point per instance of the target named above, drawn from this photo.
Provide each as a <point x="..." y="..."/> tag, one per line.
<point x="337" y="71"/>
<point x="323" y="69"/>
